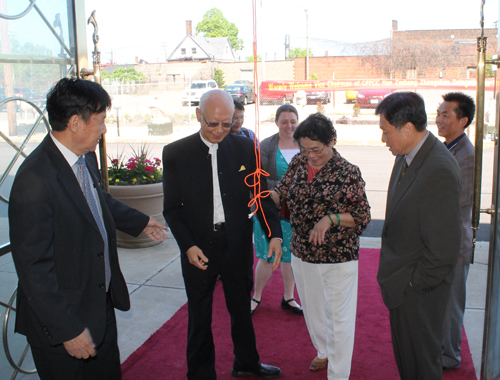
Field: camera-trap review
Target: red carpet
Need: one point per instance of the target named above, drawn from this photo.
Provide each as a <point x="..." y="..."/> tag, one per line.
<point x="282" y="338"/>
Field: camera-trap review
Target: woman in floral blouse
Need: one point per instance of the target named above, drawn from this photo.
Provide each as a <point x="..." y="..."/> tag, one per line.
<point x="328" y="212"/>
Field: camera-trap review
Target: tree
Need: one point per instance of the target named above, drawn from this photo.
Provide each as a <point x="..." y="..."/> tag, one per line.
<point x="488" y="72"/>
<point x="128" y="73"/>
<point x="214" y="24"/>
<point x="299" y="52"/>
<point x="219" y="77"/>
<point x="250" y="58"/>
<point x="399" y="58"/>
<point x="37" y="77"/>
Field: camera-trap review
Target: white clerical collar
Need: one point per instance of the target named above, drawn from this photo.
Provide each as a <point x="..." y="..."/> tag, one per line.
<point x="210" y="145"/>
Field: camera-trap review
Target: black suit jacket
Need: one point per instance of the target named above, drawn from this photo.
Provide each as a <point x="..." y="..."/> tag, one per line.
<point x="58" y="250"/>
<point x="188" y="188"/>
<point x="422" y="232"/>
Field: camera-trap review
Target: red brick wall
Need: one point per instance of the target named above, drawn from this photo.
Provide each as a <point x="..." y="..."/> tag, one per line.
<point x="445" y="36"/>
<point x="325" y="67"/>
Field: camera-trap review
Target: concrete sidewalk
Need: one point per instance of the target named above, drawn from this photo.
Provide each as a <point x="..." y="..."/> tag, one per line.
<point x="157" y="291"/>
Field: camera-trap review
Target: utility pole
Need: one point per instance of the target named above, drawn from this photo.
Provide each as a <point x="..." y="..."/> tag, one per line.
<point x="287" y="46"/>
<point x="307" y="45"/>
<point x="263" y="55"/>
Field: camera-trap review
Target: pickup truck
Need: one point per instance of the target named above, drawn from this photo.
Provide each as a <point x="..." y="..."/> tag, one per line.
<point x="196" y="89"/>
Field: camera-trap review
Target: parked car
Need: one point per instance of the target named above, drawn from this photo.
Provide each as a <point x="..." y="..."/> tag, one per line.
<point x="371" y="98"/>
<point x="313" y="97"/>
<point x="26" y="93"/>
<point x="196" y="89"/>
<point x="245" y="82"/>
<point x="241" y="93"/>
<point x="350" y="96"/>
<point x="274" y="97"/>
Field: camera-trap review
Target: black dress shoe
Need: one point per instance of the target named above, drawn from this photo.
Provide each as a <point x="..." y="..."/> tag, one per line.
<point x="258" y="304"/>
<point x="264" y="372"/>
<point x="286" y="305"/>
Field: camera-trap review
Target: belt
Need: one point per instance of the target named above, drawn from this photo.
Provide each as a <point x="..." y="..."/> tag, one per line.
<point x="220" y="227"/>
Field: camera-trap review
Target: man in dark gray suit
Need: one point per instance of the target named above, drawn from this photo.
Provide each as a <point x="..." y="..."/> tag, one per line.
<point x="453" y="116"/>
<point x="421" y="236"/>
<point x="63" y="236"/>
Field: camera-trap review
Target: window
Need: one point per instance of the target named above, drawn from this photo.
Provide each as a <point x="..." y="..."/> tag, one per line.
<point x="183" y="51"/>
<point x="193" y="50"/>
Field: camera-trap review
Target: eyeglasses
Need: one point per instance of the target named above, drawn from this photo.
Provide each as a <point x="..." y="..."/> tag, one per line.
<point x="315" y="151"/>
<point x="240" y="118"/>
<point x="214" y="125"/>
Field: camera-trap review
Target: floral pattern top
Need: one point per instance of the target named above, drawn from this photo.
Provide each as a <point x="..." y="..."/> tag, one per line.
<point x="337" y="188"/>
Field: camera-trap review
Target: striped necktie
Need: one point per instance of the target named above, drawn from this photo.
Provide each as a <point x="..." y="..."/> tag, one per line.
<point x="84" y="179"/>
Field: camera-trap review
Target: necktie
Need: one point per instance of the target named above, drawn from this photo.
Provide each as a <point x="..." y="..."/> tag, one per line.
<point x="403" y="170"/>
<point x="83" y="178"/>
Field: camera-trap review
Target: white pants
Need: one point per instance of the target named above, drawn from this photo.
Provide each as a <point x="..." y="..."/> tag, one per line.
<point x="328" y="294"/>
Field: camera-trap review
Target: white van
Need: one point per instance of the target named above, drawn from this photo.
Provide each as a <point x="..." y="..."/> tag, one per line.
<point x="196" y="89"/>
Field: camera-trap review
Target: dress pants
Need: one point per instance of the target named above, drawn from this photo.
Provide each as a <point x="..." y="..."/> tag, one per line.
<point x="454" y="320"/>
<point x="328" y="294"/>
<point x="237" y="284"/>
<point x="104" y="366"/>
<point x="417" y="332"/>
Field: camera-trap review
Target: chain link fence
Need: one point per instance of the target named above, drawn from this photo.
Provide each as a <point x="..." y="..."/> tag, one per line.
<point x="139" y="105"/>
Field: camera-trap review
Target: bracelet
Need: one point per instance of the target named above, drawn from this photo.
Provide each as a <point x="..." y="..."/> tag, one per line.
<point x="338" y="219"/>
<point x="329" y="217"/>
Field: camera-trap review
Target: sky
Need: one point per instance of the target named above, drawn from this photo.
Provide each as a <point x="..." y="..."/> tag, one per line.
<point x="152" y="29"/>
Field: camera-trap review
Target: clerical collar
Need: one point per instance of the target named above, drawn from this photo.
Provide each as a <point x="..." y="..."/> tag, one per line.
<point x="454" y="142"/>
<point x="208" y="143"/>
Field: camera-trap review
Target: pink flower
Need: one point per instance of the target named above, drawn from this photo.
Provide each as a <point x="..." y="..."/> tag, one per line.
<point x="115" y="161"/>
<point x="149" y="169"/>
<point x="130" y="166"/>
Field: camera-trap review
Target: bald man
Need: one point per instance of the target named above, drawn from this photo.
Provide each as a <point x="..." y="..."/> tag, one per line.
<point x="206" y="207"/>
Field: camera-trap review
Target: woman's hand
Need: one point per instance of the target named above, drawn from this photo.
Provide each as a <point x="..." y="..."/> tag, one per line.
<point x="275" y="197"/>
<point x="317" y="234"/>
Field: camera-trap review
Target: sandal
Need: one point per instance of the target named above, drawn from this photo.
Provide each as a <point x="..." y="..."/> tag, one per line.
<point x="257" y="302"/>
<point x="318" y="364"/>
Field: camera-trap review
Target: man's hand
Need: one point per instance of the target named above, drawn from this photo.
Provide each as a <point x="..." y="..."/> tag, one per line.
<point x="317" y="234"/>
<point x="197" y="258"/>
<point x="275" y="246"/>
<point x="155" y="229"/>
<point x="81" y="347"/>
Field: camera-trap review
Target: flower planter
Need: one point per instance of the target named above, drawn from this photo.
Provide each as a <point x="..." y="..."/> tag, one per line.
<point x="145" y="198"/>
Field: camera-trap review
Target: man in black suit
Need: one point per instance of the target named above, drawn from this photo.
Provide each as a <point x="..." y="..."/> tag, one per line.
<point x="421" y="236"/>
<point x="206" y="207"/>
<point x="63" y="238"/>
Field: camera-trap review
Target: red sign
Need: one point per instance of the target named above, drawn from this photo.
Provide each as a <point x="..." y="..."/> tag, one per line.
<point x="366" y="84"/>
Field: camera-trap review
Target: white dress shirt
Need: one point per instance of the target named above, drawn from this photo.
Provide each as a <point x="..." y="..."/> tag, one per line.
<point x="218" y="207"/>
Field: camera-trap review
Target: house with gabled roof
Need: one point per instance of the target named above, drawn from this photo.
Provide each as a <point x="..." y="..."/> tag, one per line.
<point x="198" y="48"/>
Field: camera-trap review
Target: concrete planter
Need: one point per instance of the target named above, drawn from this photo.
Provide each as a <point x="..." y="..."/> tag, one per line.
<point x="145" y="198"/>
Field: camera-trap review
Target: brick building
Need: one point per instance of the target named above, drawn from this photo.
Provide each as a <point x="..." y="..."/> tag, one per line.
<point x="408" y="54"/>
